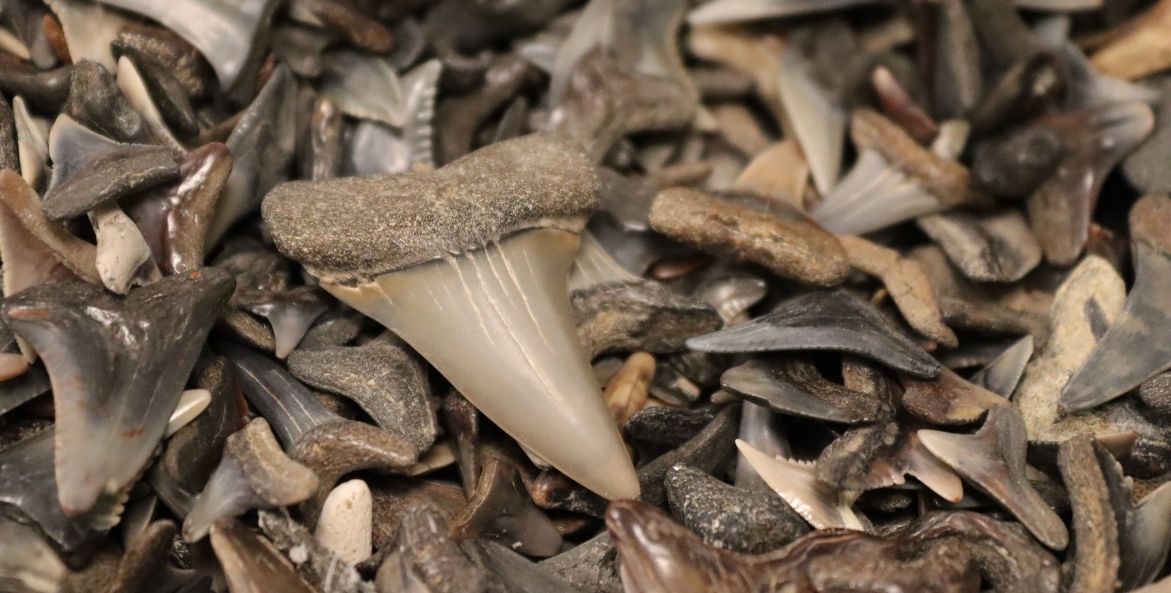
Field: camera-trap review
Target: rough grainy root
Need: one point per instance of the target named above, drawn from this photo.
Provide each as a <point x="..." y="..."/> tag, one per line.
<point x="1096" y="557"/>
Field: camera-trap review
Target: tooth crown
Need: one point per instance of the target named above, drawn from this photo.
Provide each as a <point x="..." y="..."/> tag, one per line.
<point x="351" y="229"/>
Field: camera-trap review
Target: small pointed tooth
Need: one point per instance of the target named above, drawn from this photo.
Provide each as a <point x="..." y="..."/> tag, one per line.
<point x="123" y="257"/>
<point x="96" y="102"/>
<point x="290" y="317"/>
<point x="512" y="310"/>
<point x="32" y="141"/>
<point x="820" y="123"/>
<point x="1002" y="375"/>
<point x="500" y="508"/>
<point x="288" y="406"/>
<point x="364" y="86"/>
<point x="89" y="29"/>
<point x="822" y="505"/>
<point x="132" y="85"/>
<point x="346" y="521"/>
<point x="191" y="404"/>
<point x="251" y="564"/>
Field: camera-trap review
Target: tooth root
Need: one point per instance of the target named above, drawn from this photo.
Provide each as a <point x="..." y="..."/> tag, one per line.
<point x="501" y="508"/>
<point x="251" y="563"/>
<point x="518" y="359"/>
<point x="822" y="505"/>
<point x="123" y="257"/>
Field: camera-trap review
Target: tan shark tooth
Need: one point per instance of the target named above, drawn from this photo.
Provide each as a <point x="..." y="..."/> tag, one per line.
<point x="1141" y="49"/>
<point x="993" y="460"/>
<point x="822" y="505"/>
<point x="32" y="137"/>
<point x="251" y="564"/>
<point x="123" y="257"/>
<point x="626" y="392"/>
<point x="778" y="172"/>
<point x="494" y="262"/>
<point x="133" y="86"/>
<point x="1130" y="353"/>
<point x="922" y="465"/>
<point x="89" y="29"/>
<point x="818" y="121"/>
<point x="948" y="399"/>
<point x="1002" y="375"/>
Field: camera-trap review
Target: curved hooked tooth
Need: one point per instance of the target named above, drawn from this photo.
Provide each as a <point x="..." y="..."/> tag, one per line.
<point x="123" y="257"/>
<point x="821" y="504"/>
<point x="290" y="314"/>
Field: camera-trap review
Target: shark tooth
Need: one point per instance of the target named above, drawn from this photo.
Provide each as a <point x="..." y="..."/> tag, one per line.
<point x="27" y="563"/>
<point x="1141" y="49"/>
<point x="745" y="227"/>
<point x="425" y="554"/>
<point x="90" y="169"/>
<point x="364" y="86"/>
<point x="89" y="28"/>
<point x="517" y="572"/>
<point x="948" y="399"/>
<point x="354" y="25"/>
<point x="1002" y="375"/>
<point x="48" y="88"/>
<point x="1021" y="92"/>
<point x="145" y="562"/>
<point x="1114" y="367"/>
<point x="990" y="248"/>
<point x="346" y="521"/>
<point x="148" y="344"/>
<point x="731" y="296"/>
<point x="497" y="288"/>
<point x="1096" y="139"/>
<point x="253" y="473"/>
<point x="1145" y="538"/>
<point x="322" y="159"/>
<point x="133" y="86"/>
<point x="1144" y="167"/>
<point x="464" y="114"/>
<point x="191" y="404"/>
<point x="736" y="11"/>
<point x="203" y="174"/>
<point x="500" y="508"/>
<point x="159" y="48"/>
<point x="857" y="460"/>
<point x="251" y="563"/>
<point x="1087" y="88"/>
<point x="916" y="461"/>
<point x="96" y="103"/>
<point x="993" y="460"/>
<point x="123" y="257"/>
<point x="793" y="386"/>
<point x="290" y="313"/>
<point x="32" y="143"/>
<point x="169" y="97"/>
<point x="758" y="428"/>
<point x="836" y="320"/>
<point x="956" y="78"/>
<point x="376" y="149"/>
<point x="822" y="505"/>
<point x="1096" y="531"/>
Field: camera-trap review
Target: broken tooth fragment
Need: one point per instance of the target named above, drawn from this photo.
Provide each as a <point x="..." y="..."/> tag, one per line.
<point x="475" y="280"/>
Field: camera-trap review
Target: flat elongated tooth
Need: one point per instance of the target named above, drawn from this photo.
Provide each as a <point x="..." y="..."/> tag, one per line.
<point x="123" y="257"/>
<point x="993" y="460"/>
<point x="796" y="387"/>
<point x="820" y="504"/>
<point x="32" y="137"/>
<point x="96" y="102"/>
<point x="836" y="320"/>
<point x="148" y="344"/>
<point x="90" y="169"/>
<point x="89" y="29"/>
<point x="1129" y="353"/>
<point x="27" y="563"/>
<point x="990" y="248"/>
<point x="500" y="508"/>
<point x="251" y="564"/>
<point x="1095" y="528"/>
<point x="1002" y="375"/>
<point x="133" y="86"/>
<point x="504" y="293"/>
<point x="736" y="11"/>
<point x="948" y="399"/>
<point x="191" y="404"/>
<point x="818" y="121"/>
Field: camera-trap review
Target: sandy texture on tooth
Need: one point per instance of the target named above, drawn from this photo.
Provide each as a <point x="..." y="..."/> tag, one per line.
<point x="345" y="523"/>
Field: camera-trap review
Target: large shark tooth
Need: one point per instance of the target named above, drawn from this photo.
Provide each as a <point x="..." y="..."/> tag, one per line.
<point x="1002" y="375"/>
<point x="32" y="144"/>
<point x="495" y="259"/>
<point x="836" y="320"/>
<point x="1095" y="527"/>
<point x="123" y="257"/>
<point x="251" y="563"/>
<point x="996" y="247"/>
<point x="821" y="504"/>
<point x="133" y="86"/>
<point x="1129" y="353"/>
<point x="795" y="387"/>
<point x="993" y="460"/>
<point x="1096" y="139"/>
<point x="253" y="473"/>
<point x="736" y="11"/>
<point x="27" y="563"/>
<point x="90" y="169"/>
<point x="148" y="344"/>
<point x="89" y="28"/>
<point x="96" y="102"/>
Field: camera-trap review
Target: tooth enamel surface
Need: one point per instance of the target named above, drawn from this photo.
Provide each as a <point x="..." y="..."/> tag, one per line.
<point x="347" y="521"/>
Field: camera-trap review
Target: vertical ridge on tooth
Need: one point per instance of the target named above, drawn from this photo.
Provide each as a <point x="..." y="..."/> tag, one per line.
<point x="821" y="504"/>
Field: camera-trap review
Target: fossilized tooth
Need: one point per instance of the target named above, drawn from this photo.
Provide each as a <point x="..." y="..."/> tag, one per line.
<point x="425" y="554"/>
<point x="261" y="145"/>
<point x="463" y="115"/>
<point x="461" y="420"/>
<point x="32" y="143"/>
<point x="737" y="11"/>
<point x="337" y="327"/>
<point x="745" y="227"/>
<point x="169" y="97"/>
<point x="393" y="496"/>
<point x="1002" y="375"/>
<point x="346" y="521"/>
<point x="123" y="257"/>
<point x="728" y="517"/>
<point x="1128" y="353"/>
<point x="144" y="564"/>
<point x="901" y="108"/>
<point x="908" y="285"/>
<point x="251" y="563"/>
<point x="819" y="122"/>
<point x="894" y="179"/>
<point x="956" y="78"/>
<point x="90" y="169"/>
<point x="987" y="248"/>
<point x="382" y="378"/>
<point x="1086" y="87"/>
<point x="301" y="48"/>
<point x="667" y="427"/>
<point x="133" y="86"/>
<point x="9" y="147"/>
<point x="794" y="386"/>
<point x="346" y="20"/>
<point x="778" y="172"/>
<point x="1021" y="92"/>
<point x="820" y="504"/>
<point x="89" y="28"/>
<point x="514" y="121"/>
<point x="158" y="48"/>
<point x="758" y="428"/>
<point x="364" y="86"/>
<point x="290" y="313"/>
<point x="316" y="563"/>
<point x="139" y="350"/>
<point x="1096" y="530"/>
<point x="819" y="320"/>
<point x="189" y="207"/>
<point x="1145" y="168"/>
<point x="1139" y="49"/>
<point x="27" y="563"/>
<point x="861" y="459"/>
<point x="1096" y="139"/>
<point x="738" y="127"/>
<point x="1144" y="537"/>
<point x="23" y="388"/>
<point x="731" y="296"/>
<point x="948" y="399"/>
<point x="96" y="103"/>
<point x="253" y="473"/>
<point x="500" y="508"/>
<point x="515" y="571"/>
<point x="993" y="460"/>
<point x="191" y="404"/>
<point x="375" y="149"/>
<point x="26" y="21"/>
<point x="322" y="158"/>
<point x="499" y="287"/>
<point x="626" y="392"/>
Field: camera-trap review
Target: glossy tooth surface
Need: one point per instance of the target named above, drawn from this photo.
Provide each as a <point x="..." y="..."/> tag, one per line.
<point x="290" y="314"/>
<point x="376" y="149"/>
<point x="32" y="143"/>
<point x="820" y="504"/>
<point x="346" y="521"/>
<point x="251" y="564"/>
<point x="191" y="404"/>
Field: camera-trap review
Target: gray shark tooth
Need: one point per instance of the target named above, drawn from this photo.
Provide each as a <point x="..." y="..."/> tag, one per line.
<point x="731" y="296"/>
<point x="89" y="29"/>
<point x="738" y="11"/>
<point x="364" y="86"/>
<point x="500" y="508"/>
<point x="464" y="114"/>
<point x="261" y="145"/>
<point x="424" y="553"/>
<point x="592" y="563"/>
<point x="382" y="378"/>
<point x="948" y="399"/>
<point x="27" y="563"/>
<point x="757" y="428"/>
<point x="821" y="504"/>
<point x="1129" y="353"/>
<point x="90" y="169"/>
<point x="133" y="87"/>
<point x="314" y="561"/>
<point x="32" y="143"/>
<point x="169" y="97"/>
<point x="1146" y="538"/>
<point x="993" y="460"/>
<point x="818" y="320"/>
<point x="461" y="420"/>
<point x="990" y="248"/>
<point x="96" y="102"/>
<point x="123" y="257"/>
<point x="1002" y="375"/>
<point x="290" y="313"/>
<point x="1144" y="166"/>
<point x="23" y="388"/>
<point x="1096" y="530"/>
<point x="376" y="149"/>
<point x="253" y="473"/>
<point x="138" y="350"/>
<point x="818" y="120"/>
<point x="496" y="275"/>
<point x="251" y="563"/>
<point x="1096" y="140"/>
<point x="795" y="387"/>
<point x="595" y="266"/>
<point x="224" y="32"/>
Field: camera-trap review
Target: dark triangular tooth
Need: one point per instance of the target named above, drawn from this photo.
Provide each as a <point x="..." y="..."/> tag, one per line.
<point x="1131" y="351"/>
<point x="795" y="387"/>
<point x="133" y="86"/>
<point x="146" y="558"/>
<point x="16" y="391"/>
<point x="90" y="169"/>
<point x="43" y="87"/>
<point x="991" y="248"/>
<point x="96" y="102"/>
<point x="948" y="399"/>
<point x="147" y="345"/>
<point x="1002" y="375"/>
<point x="836" y="320"/>
<point x="253" y="473"/>
<point x="32" y="143"/>
<point x="291" y="410"/>
<point x="27" y="563"/>
<point x="821" y="504"/>
<point x="735" y="11"/>
<point x="1096" y="531"/>
<point x="993" y="460"/>
<point x="315" y="562"/>
<point x="170" y="97"/>
<point x="424" y="553"/>
<point x="123" y="257"/>
<point x="500" y="508"/>
<point x="1146" y="538"/>
<point x="251" y="563"/>
<point x="290" y="313"/>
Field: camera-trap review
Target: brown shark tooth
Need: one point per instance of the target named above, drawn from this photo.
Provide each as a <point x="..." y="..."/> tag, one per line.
<point x="821" y="504"/>
<point x="1002" y="375"/>
<point x="626" y="391"/>
<point x="479" y="260"/>
<point x="96" y="102"/>
<point x="948" y="399"/>
<point x="818" y="320"/>
<point x="461" y="420"/>
<point x="90" y="169"/>
<point x="425" y="555"/>
<point x="901" y="108"/>
<point x="382" y="378"/>
<point x="907" y="284"/>
<point x="161" y="49"/>
<point x="148" y="344"/>
<point x="1096" y="139"/>
<point x="778" y="172"/>
<point x="27" y="563"/>
<point x="251" y="563"/>
<point x="123" y="257"/>
<point x="290" y="313"/>
<point x="43" y="87"/>
<point x="855" y="460"/>
<point x="393" y="496"/>
<point x="993" y="460"/>
<point x="1140" y="49"/>
<point x="745" y="227"/>
<point x="253" y="473"/>
<point x="794" y="386"/>
<point x="1022" y="91"/>
<point x="203" y="174"/>
<point x="1096" y="550"/>
<point x="987" y="248"/>
<point x="1114" y="367"/>
<point x="500" y="508"/>
<point x="348" y="21"/>
<point x="314" y="561"/>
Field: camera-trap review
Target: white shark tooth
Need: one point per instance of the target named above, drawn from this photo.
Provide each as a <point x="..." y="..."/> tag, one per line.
<point x="192" y="403"/>
<point x="89" y="29"/>
<point x="736" y="11"/>
<point x="347" y="521"/>
<point x="476" y="283"/>
<point x="123" y="257"/>
<point x="32" y="142"/>
<point x="132" y="85"/>
<point x="818" y="121"/>
<point x="822" y="505"/>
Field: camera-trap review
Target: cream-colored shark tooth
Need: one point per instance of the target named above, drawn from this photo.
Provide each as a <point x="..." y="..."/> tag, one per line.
<point x="89" y="29"/>
<point x="472" y="271"/>
<point x="346" y="522"/>
<point x="123" y="257"/>
<point x="192" y="403"/>
<point x="132" y="85"/>
<point x="32" y="138"/>
<point x="818" y="121"/>
<point x="821" y="504"/>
